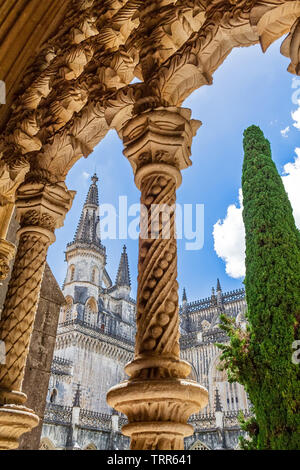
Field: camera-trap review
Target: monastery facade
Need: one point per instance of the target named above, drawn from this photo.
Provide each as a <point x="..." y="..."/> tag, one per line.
<point x="95" y="340"/>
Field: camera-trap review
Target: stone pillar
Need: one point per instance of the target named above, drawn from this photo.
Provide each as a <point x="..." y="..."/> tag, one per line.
<point x="10" y="179"/>
<point x="39" y="360"/>
<point x="40" y="209"/>
<point x="158" y="399"/>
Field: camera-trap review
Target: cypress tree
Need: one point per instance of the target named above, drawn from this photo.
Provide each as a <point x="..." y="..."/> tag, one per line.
<point x="261" y="357"/>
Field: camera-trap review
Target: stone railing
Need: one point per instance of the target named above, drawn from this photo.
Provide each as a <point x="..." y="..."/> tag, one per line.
<point x="62" y="415"/>
<point x="238" y="294"/>
<point x="96" y="329"/>
<point x="61" y="366"/>
<point x="203" y="304"/>
<point x="58" y="414"/>
<point x="94" y="420"/>
<point x="214" y="336"/>
<point x="231" y="418"/>
<point x="208" y="420"/>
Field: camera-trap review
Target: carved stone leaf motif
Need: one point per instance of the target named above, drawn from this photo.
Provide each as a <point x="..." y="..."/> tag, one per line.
<point x="276" y="21"/>
<point x="199" y="34"/>
<point x="291" y="48"/>
<point x="163" y="157"/>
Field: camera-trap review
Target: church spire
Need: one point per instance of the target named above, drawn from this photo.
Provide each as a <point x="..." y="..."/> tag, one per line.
<point x="184" y="297"/>
<point x="218" y="404"/>
<point x="219" y="294"/>
<point x="123" y="276"/>
<point x="76" y="401"/>
<point x="88" y="225"/>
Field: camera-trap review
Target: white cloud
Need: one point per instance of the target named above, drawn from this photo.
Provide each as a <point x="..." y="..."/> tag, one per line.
<point x="229" y="234"/>
<point x="229" y="240"/>
<point x="291" y="181"/>
<point x="284" y="132"/>
<point x="85" y="175"/>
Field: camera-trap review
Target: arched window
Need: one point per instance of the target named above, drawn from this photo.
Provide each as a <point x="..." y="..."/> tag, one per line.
<point x="72" y="273"/>
<point x="66" y="311"/>
<point x="90" y="447"/>
<point x="53" y="396"/>
<point x="95" y="275"/>
<point x="91" y="310"/>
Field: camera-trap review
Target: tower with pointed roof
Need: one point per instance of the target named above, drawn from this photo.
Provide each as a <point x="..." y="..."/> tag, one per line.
<point x="95" y="340"/>
<point x="123" y="283"/>
<point x="96" y="330"/>
<point x="85" y="255"/>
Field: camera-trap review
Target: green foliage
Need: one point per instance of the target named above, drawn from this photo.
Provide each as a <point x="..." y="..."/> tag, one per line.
<point x="261" y="357"/>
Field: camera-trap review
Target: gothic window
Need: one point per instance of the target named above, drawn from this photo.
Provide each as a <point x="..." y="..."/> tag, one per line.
<point x="72" y="273"/>
<point x="46" y="444"/>
<point x="198" y="445"/>
<point x="91" y="310"/>
<point x="95" y="275"/>
<point x="91" y="447"/>
<point x="66" y="312"/>
<point x="53" y="396"/>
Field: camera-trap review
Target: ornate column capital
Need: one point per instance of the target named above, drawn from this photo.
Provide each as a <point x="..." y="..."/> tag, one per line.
<point x="10" y="178"/>
<point x="162" y="136"/>
<point x="42" y="207"/>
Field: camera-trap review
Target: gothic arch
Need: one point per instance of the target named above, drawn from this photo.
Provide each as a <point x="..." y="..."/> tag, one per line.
<point x="71" y="274"/>
<point x="53" y="395"/>
<point x="193" y="374"/>
<point x="66" y="310"/>
<point x="90" y="446"/>
<point x="46" y="444"/>
<point x="92" y="304"/>
<point x="215" y="377"/>
<point x="95" y="275"/>
<point x="198" y="445"/>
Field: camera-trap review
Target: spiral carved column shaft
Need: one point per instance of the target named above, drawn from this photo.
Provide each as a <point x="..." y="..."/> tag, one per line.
<point x="41" y="209"/>
<point x="157" y="303"/>
<point x="158" y="398"/>
<point x="20" y="302"/>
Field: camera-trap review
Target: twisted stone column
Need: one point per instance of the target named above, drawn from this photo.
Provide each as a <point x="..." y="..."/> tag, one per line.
<point x="40" y="209"/>
<point x="158" y="398"/>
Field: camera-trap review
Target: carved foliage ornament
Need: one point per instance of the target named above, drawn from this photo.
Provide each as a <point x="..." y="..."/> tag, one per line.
<point x="163" y="135"/>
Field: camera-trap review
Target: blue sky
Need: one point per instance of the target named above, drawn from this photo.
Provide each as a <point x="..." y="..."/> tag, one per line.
<point x="249" y="88"/>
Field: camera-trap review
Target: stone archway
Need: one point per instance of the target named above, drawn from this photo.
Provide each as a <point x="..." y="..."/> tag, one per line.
<point x="77" y="88"/>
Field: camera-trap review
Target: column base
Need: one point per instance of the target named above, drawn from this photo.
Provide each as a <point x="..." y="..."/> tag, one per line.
<point x="158" y="411"/>
<point x="15" y="420"/>
<point x="153" y="435"/>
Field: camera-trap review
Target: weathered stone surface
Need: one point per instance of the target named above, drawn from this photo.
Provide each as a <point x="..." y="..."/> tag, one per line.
<point x="40" y="356"/>
<point x="72" y="83"/>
